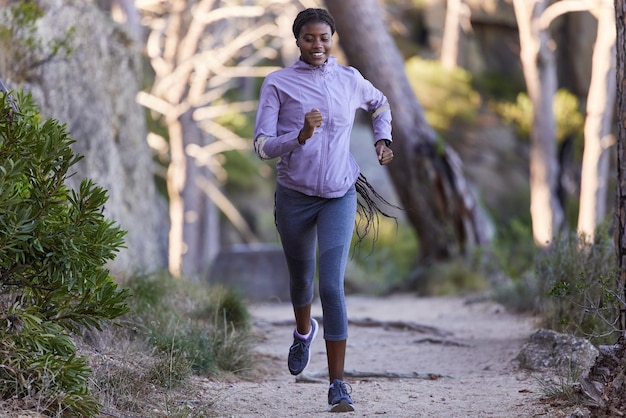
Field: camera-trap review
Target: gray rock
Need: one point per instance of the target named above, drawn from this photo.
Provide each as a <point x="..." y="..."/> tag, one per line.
<point x="257" y="272"/>
<point x="550" y="350"/>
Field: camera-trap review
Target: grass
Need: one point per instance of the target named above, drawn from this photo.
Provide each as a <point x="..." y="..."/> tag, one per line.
<point x="562" y="389"/>
<point x="177" y="332"/>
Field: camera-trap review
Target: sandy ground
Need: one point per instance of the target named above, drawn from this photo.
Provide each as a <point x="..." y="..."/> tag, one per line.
<point x="455" y="359"/>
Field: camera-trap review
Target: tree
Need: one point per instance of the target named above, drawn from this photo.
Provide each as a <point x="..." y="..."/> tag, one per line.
<point x="428" y="176"/>
<point x="605" y="383"/>
<point x="200" y="53"/>
<point x="537" y="54"/>
<point x="54" y="244"/>
<point x="539" y="68"/>
<point x="455" y="12"/>
<point x="598" y="124"/>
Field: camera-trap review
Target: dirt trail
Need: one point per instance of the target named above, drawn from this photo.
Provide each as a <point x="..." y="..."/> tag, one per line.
<point x="470" y="349"/>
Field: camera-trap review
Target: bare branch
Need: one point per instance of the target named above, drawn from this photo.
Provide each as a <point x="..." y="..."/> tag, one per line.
<point x="567" y="6"/>
<point x="228" y="209"/>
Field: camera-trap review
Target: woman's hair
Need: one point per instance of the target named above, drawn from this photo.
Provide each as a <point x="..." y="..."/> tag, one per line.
<point x="312" y="16"/>
<point x="369" y="209"/>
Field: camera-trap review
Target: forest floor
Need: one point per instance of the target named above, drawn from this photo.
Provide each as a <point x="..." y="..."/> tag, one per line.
<point x="407" y="356"/>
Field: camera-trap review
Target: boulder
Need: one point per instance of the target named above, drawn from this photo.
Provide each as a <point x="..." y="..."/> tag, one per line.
<point x="257" y="272"/>
<point x="563" y="353"/>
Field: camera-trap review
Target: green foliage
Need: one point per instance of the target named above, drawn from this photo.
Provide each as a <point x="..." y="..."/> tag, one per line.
<point x="383" y="261"/>
<point x="54" y="243"/>
<point x="513" y="249"/>
<point x="195" y="329"/>
<point x="563" y="389"/>
<point x="513" y="253"/>
<point x="452" y="278"/>
<point x="571" y="285"/>
<point x="447" y="95"/>
<point x="580" y="296"/>
<point x="18" y="34"/>
<point x="569" y="120"/>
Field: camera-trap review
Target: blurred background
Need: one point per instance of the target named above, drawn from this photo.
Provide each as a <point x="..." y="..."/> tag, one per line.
<point x="160" y="97"/>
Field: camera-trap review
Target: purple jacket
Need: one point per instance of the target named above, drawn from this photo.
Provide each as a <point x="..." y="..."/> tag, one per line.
<point x="323" y="166"/>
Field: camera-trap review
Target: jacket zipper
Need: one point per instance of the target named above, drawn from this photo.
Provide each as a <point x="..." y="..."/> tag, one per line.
<point x="325" y="146"/>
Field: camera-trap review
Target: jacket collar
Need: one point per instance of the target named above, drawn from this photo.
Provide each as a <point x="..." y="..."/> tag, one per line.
<point x="328" y="66"/>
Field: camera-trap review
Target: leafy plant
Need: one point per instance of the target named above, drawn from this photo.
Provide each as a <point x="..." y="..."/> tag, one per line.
<point x="569" y="120"/>
<point x="580" y="293"/>
<point x="54" y="244"/>
<point x="194" y="328"/>
<point x="447" y="95"/>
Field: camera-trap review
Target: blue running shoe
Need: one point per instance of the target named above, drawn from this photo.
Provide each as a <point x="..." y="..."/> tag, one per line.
<point x="339" y="399"/>
<point x="300" y="351"/>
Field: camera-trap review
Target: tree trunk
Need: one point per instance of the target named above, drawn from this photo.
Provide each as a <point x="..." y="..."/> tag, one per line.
<point x="605" y="384"/>
<point x="450" y="43"/>
<point x="600" y="107"/>
<point x="428" y="178"/>
<point x="539" y="68"/>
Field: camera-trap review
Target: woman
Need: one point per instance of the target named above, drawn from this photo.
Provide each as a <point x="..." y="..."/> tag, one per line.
<point x="305" y="117"/>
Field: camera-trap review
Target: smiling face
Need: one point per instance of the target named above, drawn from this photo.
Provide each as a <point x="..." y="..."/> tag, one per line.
<point x="315" y="42"/>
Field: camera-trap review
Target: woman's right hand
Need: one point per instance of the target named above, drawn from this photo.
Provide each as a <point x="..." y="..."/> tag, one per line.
<point x="312" y="120"/>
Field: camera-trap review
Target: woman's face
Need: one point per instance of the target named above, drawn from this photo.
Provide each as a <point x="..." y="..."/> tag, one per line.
<point x="315" y="42"/>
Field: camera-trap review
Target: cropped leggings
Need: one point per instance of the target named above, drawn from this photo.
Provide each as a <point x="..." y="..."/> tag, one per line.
<point x="304" y="222"/>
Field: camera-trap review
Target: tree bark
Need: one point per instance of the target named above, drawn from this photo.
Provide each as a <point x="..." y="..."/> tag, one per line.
<point x="427" y="175"/>
<point x="605" y="384"/>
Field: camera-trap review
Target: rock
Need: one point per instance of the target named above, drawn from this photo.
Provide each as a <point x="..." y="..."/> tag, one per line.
<point x="257" y="272"/>
<point x="547" y="349"/>
<point x="580" y="413"/>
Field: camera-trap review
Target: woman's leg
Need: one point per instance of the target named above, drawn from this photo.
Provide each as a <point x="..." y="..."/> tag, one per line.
<point x="335" y="226"/>
<point x="295" y="220"/>
<point x="336" y="356"/>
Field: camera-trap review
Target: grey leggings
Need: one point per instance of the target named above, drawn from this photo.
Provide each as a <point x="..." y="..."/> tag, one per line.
<point x="304" y="221"/>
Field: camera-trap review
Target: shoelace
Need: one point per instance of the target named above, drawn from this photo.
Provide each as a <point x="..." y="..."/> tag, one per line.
<point x="343" y="389"/>
<point x="298" y="346"/>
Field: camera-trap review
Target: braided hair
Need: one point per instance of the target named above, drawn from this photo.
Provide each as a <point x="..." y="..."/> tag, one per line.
<point x="369" y="210"/>
<point x="312" y="15"/>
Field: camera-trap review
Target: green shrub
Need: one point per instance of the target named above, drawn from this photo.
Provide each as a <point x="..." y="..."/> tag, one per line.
<point x="579" y="295"/>
<point x="569" y="120"/>
<point x="382" y="260"/>
<point x="54" y="243"/>
<point x="194" y="328"/>
<point x="447" y="95"/>
<point x="452" y="278"/>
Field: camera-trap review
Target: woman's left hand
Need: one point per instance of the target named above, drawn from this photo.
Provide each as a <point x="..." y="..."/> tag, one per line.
<point x="384" y="153"/>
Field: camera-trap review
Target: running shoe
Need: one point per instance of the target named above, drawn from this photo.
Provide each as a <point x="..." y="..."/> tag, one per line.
<point x="300" y="350"/>
<point x="339" y="399"/>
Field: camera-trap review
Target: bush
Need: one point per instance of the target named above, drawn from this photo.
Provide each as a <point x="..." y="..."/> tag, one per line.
<point x="579" y="295"/>
<point x="199" y="329"/>
<point x="54" y="244"/>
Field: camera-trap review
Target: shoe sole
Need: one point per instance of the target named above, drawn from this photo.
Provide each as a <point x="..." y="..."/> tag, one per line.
<point x="342" y="406"/>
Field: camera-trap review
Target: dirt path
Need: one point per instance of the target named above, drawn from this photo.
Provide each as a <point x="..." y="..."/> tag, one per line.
<point x="470" y="347"/>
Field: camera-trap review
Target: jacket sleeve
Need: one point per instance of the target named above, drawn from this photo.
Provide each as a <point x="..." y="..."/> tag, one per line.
<point x="267" y="143"/>
<point x="376" y="103"/>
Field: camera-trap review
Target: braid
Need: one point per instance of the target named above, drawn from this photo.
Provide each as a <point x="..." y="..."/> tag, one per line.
<point x="312" y="15"/>
<point x="368" y="210"/>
